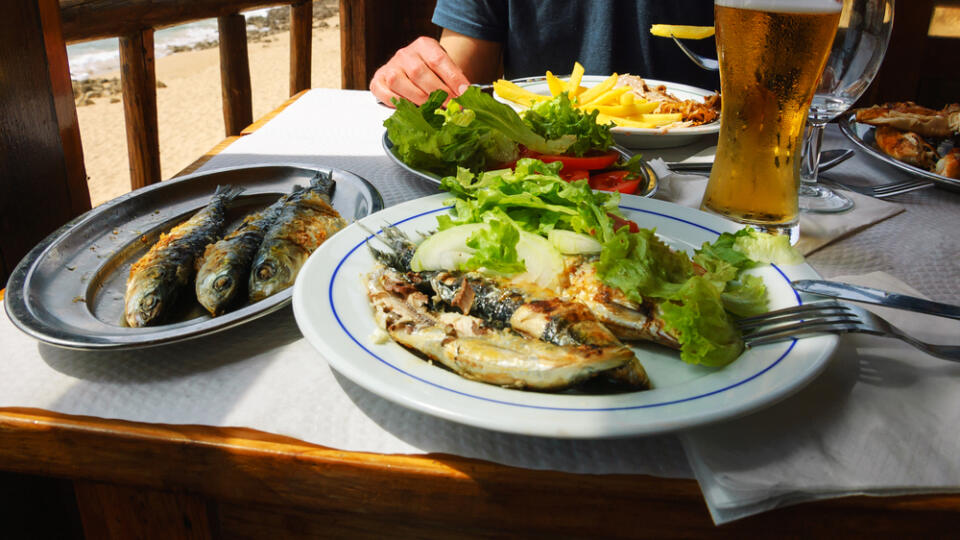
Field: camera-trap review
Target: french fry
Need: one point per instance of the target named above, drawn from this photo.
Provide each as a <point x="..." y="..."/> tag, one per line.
<point x="627" y="98"/>
<point x="610" y="97"/>
<point x="521" y="96"/>
<point x="681" y="31"/>
<point x="645" y="107"/>
<point x="622" y="111"/>
<point x="555" y="85"/>
<point x="573" y="85"/>
<point x="623" y="122"/>
<point x="591" y="93"/>
<point x="662" y="119"/>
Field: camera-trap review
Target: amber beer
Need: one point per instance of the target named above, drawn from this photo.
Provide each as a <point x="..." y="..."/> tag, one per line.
<point x="771" y="55"/>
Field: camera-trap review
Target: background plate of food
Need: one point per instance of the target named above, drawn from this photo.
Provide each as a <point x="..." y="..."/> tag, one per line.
<point x="647" y="188"/>
<point x="914" y="139"/>
<point x="337" y="311"/>
<point x="74" y="289"/>
<point x="648" y="113"/>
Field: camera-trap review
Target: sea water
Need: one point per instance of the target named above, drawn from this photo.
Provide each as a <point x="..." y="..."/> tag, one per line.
<point x="94" y="58"/>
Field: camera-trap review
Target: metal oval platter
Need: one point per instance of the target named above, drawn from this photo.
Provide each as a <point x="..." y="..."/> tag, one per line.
<point x="68" y="291"/>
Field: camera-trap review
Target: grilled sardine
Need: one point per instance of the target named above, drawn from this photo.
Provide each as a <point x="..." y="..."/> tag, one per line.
<point x="157" y="280"/>
<point x="223" y="271"/>
<point x="475" y="350"/>
<point x="305" y="221"/>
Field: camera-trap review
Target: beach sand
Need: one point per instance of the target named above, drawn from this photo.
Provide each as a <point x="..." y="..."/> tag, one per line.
<point x="189" y="108"/>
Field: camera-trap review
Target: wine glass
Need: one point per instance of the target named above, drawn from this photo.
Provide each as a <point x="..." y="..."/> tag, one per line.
<point x="858" y="50"/>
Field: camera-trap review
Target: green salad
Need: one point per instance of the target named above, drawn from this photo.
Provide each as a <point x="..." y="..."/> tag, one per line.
<point x="699" y="295"/>
<point x="477" y="132"/>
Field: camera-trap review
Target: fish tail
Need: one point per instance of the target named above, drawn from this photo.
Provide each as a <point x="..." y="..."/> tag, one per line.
<point x="228" y="192"/>
<point x="323" y="184"/>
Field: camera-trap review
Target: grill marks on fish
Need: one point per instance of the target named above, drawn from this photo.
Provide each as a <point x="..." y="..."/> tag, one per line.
<point x="305" y="221"/>
<point x="157" y="279"/>
<point x="224" y="268"/>
<point x="471" y="347"/>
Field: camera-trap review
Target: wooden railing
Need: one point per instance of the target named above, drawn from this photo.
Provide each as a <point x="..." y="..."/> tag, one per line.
<point x="134" y="22"/>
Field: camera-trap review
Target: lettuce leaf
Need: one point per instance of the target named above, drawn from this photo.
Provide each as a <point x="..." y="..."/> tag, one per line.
<point x="496" y="248"/>
<point x="557" y="118"/>
<point x="641" y="265"/>
<point x="707" y="334"/>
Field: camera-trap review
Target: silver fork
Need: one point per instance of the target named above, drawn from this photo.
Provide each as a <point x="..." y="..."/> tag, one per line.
<point x="834" y="317"/>
<point x="704" y="62"/>
<point x="884" y="190"/>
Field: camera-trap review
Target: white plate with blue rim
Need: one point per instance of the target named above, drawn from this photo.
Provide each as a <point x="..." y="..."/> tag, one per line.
<point x="638" y="138"/>
<point x="331" y="308"/>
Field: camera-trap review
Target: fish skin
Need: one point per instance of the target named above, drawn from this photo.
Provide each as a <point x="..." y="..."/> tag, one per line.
<point x="224" y="268"/>
<point x="158" y="278"/>
<point x="305" y="221"/>
<point x="477" y="351"/>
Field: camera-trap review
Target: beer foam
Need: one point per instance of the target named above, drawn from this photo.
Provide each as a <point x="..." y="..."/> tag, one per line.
<point x="785" y="6"/>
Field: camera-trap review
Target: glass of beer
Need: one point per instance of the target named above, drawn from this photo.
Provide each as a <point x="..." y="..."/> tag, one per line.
<point x="771" y="54"/>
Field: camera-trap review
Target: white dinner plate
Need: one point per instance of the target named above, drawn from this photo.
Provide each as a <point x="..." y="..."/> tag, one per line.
<point x="638" y="137"/>
<point x="332" y="311"/>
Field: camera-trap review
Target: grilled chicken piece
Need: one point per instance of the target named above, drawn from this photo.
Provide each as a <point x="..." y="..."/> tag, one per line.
<point x="905" y="146"/>
<point x="949" y="165"/>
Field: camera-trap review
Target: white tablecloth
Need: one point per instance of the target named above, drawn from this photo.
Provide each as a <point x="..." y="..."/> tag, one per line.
<point x="265" y="376"/>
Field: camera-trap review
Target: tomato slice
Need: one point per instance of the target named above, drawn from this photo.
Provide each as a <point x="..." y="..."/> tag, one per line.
<point x="619" y="223"/>
<point x="614" y="181"/>
<point x="591" y="162"/>
<point x="574" y="174"/>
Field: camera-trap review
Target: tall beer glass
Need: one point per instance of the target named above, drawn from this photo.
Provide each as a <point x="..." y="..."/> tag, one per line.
<point x="771" y="55"/>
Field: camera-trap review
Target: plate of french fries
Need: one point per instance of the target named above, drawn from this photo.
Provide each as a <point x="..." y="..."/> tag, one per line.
<point x="647" y="113"/>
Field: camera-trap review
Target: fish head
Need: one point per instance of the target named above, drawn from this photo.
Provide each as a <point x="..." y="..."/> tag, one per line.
<point x="215" y="290"/>
<point x="145" y="304"/>
<point x="272" y="274"/>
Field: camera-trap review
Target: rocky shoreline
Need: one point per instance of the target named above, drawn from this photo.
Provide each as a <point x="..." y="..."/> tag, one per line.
<point x="259" y="29"/>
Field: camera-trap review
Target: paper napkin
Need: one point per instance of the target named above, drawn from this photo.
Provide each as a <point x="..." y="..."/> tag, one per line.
<point x="880" y="420"/>
<point x="816" y="230"/>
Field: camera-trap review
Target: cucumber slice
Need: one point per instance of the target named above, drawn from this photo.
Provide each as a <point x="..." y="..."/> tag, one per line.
<point x="573" y="243"/>
<point x="448" y="250"/>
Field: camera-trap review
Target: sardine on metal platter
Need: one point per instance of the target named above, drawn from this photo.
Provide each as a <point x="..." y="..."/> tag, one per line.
<point x="475" y="350"/>
<point x="158" y="278"/>
<point x="223" y="271"/>
<point x="305" y="221"/>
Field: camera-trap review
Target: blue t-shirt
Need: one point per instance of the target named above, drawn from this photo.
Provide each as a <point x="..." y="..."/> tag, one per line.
<point x="605" y="36"/>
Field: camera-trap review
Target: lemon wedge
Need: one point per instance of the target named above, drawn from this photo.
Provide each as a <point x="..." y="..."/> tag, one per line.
<point x="681" y="32"/>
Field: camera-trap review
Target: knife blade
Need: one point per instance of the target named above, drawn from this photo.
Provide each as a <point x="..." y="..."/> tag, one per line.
<point x="869" y="295"/>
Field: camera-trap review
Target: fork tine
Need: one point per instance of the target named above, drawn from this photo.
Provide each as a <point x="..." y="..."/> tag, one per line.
<point x="899" y="189"/>
<point x="804" y="311"/>
<point x="844" y="322"/>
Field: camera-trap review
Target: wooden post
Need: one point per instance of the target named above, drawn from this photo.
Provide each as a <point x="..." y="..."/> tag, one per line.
<point x="43" y="183"/>
<point x="235" y="73"/>
<point x="301" y="37"/>
<point x="372" y="30"/>
<point x="139" y="81"/>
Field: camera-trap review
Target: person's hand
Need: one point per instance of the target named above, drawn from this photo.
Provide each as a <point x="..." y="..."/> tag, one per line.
<point x="415" y="71"/>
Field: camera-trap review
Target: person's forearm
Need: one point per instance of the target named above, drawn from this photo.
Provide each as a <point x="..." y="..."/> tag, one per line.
<point x="479" y="59"/>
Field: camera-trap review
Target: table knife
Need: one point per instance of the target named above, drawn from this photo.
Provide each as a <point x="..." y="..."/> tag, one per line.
<point x="828" y="160"/>
<point x="846" y="291"/>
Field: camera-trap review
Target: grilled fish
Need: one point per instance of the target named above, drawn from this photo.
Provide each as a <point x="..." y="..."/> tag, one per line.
<point x="475" y="350"/>
<point x="305" y="221"/>
<point x="627" y="319"/>
<point x="224" y="268"/>
<point x="158" y="278"/>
